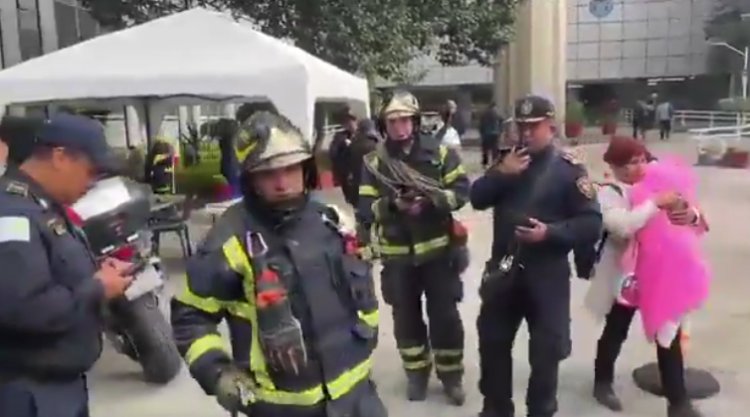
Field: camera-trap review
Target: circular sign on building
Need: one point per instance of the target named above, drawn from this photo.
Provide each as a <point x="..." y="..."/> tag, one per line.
<point x="601" y="8"/>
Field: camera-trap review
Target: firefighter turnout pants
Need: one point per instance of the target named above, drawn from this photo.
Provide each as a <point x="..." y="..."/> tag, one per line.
<point x="403" y="287"/>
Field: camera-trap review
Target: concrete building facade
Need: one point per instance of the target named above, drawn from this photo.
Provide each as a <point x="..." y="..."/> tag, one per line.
<point x="620" y="49"/>
<point x="29" y="28"/>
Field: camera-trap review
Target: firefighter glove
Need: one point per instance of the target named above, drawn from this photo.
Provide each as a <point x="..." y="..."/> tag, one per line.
<point x="234" y="390"/>
<point x="284" y="345"/>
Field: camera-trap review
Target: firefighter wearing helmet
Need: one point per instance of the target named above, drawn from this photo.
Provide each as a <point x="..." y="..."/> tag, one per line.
<point x="283" y="273"/>
<point x="410" y="187"/>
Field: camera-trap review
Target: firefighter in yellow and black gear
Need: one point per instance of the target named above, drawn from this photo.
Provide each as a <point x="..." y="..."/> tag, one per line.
<point x="410" y="186"/>
<point x="159" y="170"/>
<point x="299" y="304"/>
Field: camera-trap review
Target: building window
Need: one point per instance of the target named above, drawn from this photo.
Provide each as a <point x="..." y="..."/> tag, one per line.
<point x="67" y="28"/>
<point x="29" y="32"/>
<point x="74" y="23"/>
<point x="87" y="26"/>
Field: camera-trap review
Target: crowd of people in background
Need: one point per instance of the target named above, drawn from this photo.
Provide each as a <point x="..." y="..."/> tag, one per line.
<point x="652" y="112"/>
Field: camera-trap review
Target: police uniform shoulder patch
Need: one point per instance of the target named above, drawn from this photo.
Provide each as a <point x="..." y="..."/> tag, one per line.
<point x="17" y="188"/>
<point x="586" y="187"/>
<point x="573" y="156"/>
<point x="15" y="229"/>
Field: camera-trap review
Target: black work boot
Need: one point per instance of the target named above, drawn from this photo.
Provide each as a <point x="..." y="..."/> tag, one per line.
<point x="685" y="409"/>
<point x="605" y="395"/>
<point x="416" y="389"/>
<point x="454" y="389"/>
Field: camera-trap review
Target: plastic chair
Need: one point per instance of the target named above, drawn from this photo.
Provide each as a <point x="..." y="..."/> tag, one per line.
<point x="173" y="222"/>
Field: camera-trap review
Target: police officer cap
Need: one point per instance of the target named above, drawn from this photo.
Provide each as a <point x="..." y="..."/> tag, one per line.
<point x="81" y="134"/>
<point x="532" y="109"/>
<point x="268" y="141"/>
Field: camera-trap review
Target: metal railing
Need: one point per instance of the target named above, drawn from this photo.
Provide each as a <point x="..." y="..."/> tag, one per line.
<point x="695" y="119"/>
<point x="727" y="133"/>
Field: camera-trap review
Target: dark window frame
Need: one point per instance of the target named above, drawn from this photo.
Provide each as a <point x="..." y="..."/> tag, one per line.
<point x="20" y="9"/>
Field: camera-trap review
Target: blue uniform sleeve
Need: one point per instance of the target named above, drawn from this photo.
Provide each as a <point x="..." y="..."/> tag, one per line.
<point x="490" y="189"/>
<point x="584" y="223"/>
<point x="31" y="301"/>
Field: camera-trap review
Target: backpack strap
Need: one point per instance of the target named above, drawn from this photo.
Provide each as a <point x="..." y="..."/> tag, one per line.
<point x="605" y="234"/>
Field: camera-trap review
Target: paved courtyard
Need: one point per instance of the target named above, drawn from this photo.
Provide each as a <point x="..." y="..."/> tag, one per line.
<point x="720" y="336"/>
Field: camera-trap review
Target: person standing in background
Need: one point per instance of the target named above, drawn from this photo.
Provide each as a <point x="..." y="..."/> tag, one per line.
<point x="489" y="131"/>
<point x="447" y="134"/>
<point x="664" y="115"/>
<point x="458" y="121"/>
<point x="339" y="153"/>
<point x="365" y="141"/>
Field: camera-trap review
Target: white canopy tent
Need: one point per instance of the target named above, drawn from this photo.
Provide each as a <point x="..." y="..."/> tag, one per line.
<point x="186" y="58"/>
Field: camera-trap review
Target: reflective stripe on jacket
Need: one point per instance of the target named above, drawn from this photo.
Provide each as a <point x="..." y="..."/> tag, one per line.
<point x="221" y="285"/>
<point x="426" y="236"/>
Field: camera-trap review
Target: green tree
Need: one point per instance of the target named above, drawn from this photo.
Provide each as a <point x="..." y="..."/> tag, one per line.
<point x="375" y="38"/>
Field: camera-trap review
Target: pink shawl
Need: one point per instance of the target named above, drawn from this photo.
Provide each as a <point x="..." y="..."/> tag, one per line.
<point x="673" y="276"/>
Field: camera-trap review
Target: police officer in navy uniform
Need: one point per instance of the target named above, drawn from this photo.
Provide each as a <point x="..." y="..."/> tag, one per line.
<point x="51" y="288"/>
<point x="544" y="204"/>
<point x="283" y="272"/>
<point x="410" y="187"/>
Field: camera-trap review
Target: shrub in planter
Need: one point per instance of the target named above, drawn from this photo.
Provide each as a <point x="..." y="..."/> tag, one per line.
<point x="736" y="158"/>
<point x="200" y="180"/>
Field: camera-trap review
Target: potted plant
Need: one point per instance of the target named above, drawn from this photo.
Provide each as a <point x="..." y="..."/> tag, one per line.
<point x="574" y="115"/>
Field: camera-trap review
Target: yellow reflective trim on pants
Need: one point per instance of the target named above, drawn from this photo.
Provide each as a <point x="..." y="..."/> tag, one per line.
<point x="450" y="177"/>
<point x="412" y="351"/>
<point x="368" y="191"/>
<point x="448" y="352"/>
<point x="430" y="245"/>
<point x="371" y="319"/>
<point x="419" y="248"/>
<point x="202" y="345"/>
<point x="394" y="250"/>
<point x="412" y="365"/>
<point x="449" y="368"/>
<point x="206" y="304"/>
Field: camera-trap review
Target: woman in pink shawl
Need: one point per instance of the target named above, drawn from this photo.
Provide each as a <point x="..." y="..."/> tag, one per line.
<point x="627" y="222"/>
